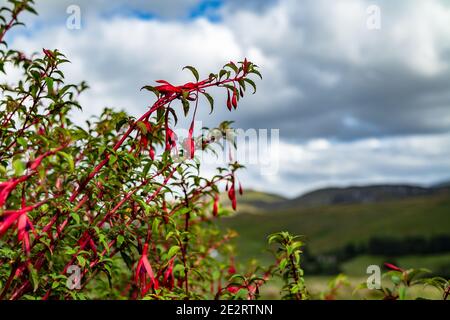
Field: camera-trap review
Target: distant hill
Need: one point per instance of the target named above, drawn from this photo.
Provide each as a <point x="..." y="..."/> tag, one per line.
<point x="444" y="184"/>
<point x="253" y="201"/>
<point x="357" y="195"/>
<point x="334" y="226"/>
<point x="332" y="218"/>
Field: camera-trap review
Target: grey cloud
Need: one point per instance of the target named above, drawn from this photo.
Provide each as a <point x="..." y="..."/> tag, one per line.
<point x="378" y="80"/>
<point x="325" y="76"/>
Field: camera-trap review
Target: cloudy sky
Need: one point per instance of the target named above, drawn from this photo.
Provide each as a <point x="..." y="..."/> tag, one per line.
<point x="353" y="105"/>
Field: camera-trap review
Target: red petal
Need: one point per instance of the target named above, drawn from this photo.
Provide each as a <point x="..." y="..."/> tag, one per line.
<point x="229" y="106"/>
<point x="191" y="141"/>
<point x="21" y="225"/>
<point x="234" y="99"/>
<point x="392" y="267"/>
<point x="232" y="196"/>
<point x="216" y="206"/>
<point x="36" y="162"/>
<point x="233" y="289"/>
<point x="138" y="271"/>
<point x="152" y="153"/>
<point x="7" y="222"/>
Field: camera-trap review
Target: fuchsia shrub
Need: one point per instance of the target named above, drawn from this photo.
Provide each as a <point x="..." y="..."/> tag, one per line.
<point x="117" y="209"/>
<point x="102" y="198"/>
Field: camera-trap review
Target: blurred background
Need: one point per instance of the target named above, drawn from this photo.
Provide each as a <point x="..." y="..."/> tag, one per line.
<point x="359" y="91"/>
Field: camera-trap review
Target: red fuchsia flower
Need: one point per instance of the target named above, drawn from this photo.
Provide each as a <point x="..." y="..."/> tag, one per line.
<point x="24" y="225"/>
<point x="190" y="141"/>
<point x="6" y="222"/>
<point x="169" y="279"/>
<point x="144" y="142"/>
<point x="245" y="66"/>
<point x="229" y="103"/>
<point x="232" y="196"/>
<point x="35" y="164"/>
<point x="252" y="289"/>
<point x="48" y="53"/>
<point x="234" y="99"/>
<point x="241" y="192"/>
<point x="392" y="267"/>
<point x="170" y="139"/>
<point x="21" y="269"/>
<point x="234" y="289"/>
<point x="7" y="187"/>
<point x="152" y="153"/>
<point x="167" y="89"/>
<point x="189" y="86"/>
<point x="144" y="270"/>
<point x="216" y="206"/>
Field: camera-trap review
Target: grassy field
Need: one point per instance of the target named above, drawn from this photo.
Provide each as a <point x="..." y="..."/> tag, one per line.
<point x="331" y="227"/>
<point x="317" y="285"/>
<point x="436" y="263"/>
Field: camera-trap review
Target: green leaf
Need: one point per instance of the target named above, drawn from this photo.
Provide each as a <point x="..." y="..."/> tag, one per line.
<point x="19" y="167"/>
<point x="141" y="125"/>
<point x="210" y="100"/>
<point x="402" y="293"/>
<point x="155" y="226"/>
<point x="120" y="124"/>
<point x="186" y="106"/>
<point x="257" y="73"/>
<point x="151" y="89"/>
<point x="252" y="83"/>
<point x="81" y="261"/>
<point x="112" y="160"/>
<point x="173" y="251"/>
<point x="395" y="279"/>
<point x="49" y="82"/>
<point x="69" y="160"/>
<point x="120" y="240"/>
<point x="76" y="217"/>
<point x="146" y="169"/>
<point x="222" y="73"/>
<point x="232" y="66"/>
<point x="283" y="264"/>
<point x="194" y="72"/>
<point x="34" y="278"/>
<point x="22" y="142"/>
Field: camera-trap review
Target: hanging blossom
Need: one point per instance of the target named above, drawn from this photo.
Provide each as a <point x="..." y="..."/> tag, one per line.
<point x="393" y="267"/>
<point x="8" y="186"/>
<point x="232" y="196"/>
<point x="24" y="225"/>
<point x="144" y="277"/>
<point x="216" y="205"/>
<point x="169" y="279"/>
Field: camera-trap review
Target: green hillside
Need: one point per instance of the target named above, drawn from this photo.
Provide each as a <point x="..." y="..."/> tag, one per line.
<point x="253" y="201"/>
<point x="328" y="228"/>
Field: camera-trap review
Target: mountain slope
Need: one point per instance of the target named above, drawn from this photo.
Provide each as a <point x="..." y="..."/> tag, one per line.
<point x="355" y="195"/>
<point x="253" y="201"/>
<point x="331" y="227"/>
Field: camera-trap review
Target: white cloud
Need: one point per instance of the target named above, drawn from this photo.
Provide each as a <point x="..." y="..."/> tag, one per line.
<point x="315" y="164"/>
<point x="352" y="105"/>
